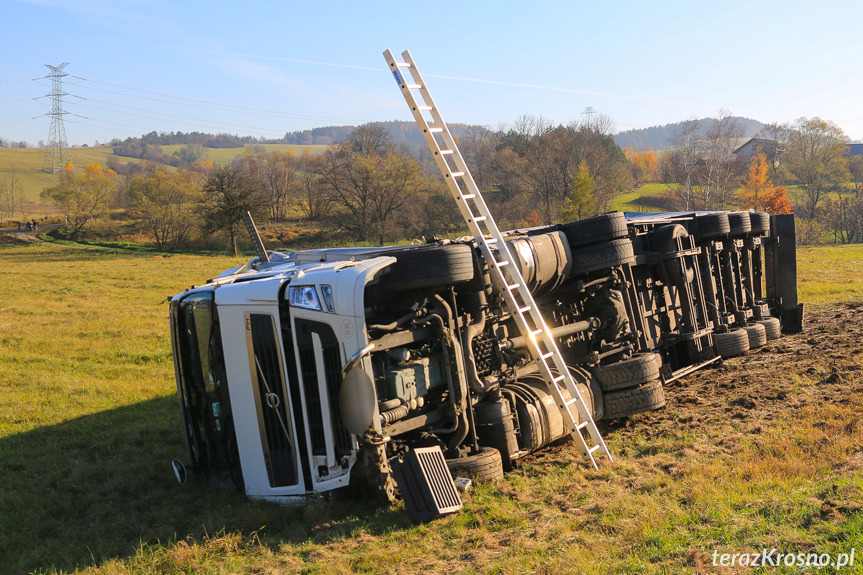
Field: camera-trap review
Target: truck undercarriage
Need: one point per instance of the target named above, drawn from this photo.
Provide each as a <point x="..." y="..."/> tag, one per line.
<point x="317" y="369"/>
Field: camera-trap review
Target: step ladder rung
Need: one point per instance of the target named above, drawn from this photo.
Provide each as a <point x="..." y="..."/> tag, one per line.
<point x="446" y="152"/>
<point x="593" y="448"/>
<point x="468" y="196"/>
<point x="547" y="355"/>
<point x="457" y="174"/>
<point x="524" y="309"/>
<point x="558" y="379"/>
<point x="479" y="219"/>
<point x="403" y="64"/>
<point x="413" y="86"/>
<point x="435" y="130"/>
<point x="424" y="108"/>
<point x="490" y="241"/>
<point x="513" y="287"/>
<point x="581" y="426"/>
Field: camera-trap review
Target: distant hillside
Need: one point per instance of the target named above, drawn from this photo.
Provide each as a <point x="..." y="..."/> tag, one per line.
<point x="400" y="132"/>
<point x="660" y="137"/>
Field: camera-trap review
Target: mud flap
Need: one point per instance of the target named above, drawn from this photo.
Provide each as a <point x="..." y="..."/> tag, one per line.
<point x="781" y="273"/>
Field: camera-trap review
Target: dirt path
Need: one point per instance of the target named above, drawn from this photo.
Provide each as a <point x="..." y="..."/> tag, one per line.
<point x="13" y="236"/>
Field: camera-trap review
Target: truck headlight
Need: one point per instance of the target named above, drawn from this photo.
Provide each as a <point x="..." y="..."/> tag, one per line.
<point x="304" y="296"/>
<point x="327" y="294"/>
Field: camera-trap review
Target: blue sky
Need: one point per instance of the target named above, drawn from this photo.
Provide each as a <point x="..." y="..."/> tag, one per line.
<point x="263" y="68"/>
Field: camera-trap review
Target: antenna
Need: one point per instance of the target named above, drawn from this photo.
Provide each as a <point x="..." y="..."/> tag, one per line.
<point x="57" y="150"/>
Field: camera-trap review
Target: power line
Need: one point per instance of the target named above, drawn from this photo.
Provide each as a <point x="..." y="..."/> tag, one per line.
<point x="176" y="118"/>
<point x="195" y="102"/>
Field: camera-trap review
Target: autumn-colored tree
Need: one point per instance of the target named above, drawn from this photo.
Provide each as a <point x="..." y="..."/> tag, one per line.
<point x="82" y="197"/>
<point x="759" y="193"/>
<point x="643" y="165"/>
<point x="581" y="200"/>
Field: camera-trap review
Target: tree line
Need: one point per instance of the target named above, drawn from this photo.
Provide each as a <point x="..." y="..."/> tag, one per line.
<point x="803" y="166"/>
<point x="374" y="190"/>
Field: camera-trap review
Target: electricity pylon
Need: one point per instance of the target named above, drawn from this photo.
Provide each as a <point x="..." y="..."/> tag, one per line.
<point x="57" y="149"/>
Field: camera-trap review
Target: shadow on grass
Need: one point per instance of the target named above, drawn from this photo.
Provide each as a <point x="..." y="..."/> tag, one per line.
<point x="98" y="487"/>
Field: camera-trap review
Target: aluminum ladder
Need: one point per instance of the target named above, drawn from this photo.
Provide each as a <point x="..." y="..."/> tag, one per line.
<point x="506" y="276"/>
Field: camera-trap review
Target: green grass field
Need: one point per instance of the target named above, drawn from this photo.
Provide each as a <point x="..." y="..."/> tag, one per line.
<point x="89" y="424"/>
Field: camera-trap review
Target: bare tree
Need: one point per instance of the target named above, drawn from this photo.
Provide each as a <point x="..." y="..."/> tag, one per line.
<point x="315" y="201"/>
<point x="718" y="172"/>
<point x="167" y="204"/>
<point x="815" y="159"/>
<point x="370" y="181"/>
<point x="11" y="196"/>
<point x="228" y="193"/>
<point x="682" y="162"/>
<point x="478" y="146"/>
<point x="775" y="155"/>
<point x="855" y="167"/>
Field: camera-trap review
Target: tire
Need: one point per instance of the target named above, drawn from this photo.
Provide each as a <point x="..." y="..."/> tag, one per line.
<point x="665" y="241"/>
<point x="731" y="343"/>
<point x="602" y="256"/>
<point x="740" y="223"/>
<point x="429" y="266"/>
<point x="595" y="230"/>
<point x="632" y="372"/>
<point x="709" y="226"/>
<point x="757" y="335"/>
<point x="772" y="327"/>
<point x="484" y="466"/>
<point x="760" y="223"/>
<point x="645" y="397"/>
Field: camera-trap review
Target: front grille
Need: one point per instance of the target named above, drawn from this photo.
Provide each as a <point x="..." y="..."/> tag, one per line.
<point x="272" y="402"/>
<point x="333" y="372"/>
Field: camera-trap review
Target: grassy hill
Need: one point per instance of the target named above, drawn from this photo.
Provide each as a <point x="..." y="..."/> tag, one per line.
<point x="761" y="451"/>
<point x="26" y="163"/>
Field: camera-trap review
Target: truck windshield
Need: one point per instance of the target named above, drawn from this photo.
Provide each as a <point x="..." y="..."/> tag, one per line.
<point x="203" y="388"/>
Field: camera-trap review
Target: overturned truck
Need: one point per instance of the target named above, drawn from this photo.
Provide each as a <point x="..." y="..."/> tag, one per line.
<point x="302" y="372"/>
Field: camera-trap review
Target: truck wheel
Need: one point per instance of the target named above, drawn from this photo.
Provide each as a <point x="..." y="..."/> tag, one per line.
<point x="595" y="230"/>
<point x="709" y="226"/>
<point x="602" y="256"/>
<point x="429" y="266"/>
<point x="731" y="343"/>
<point x="645" y="397"/>
<point x="740" y="223"/>
<point x="484" y="466"/>
<point x="772" y="327"/>
<point x="757" y="335"/>
<point x="760" y="223"/>
<point x="640" y="368"/>
<point x="665" y="241"/>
